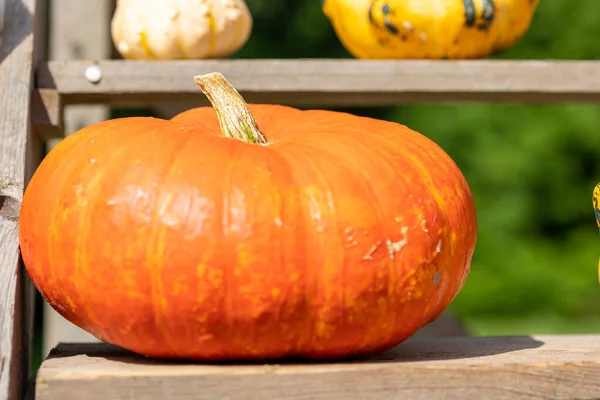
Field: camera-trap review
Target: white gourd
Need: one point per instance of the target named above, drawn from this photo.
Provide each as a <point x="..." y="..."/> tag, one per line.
<point x="180" y="29"/>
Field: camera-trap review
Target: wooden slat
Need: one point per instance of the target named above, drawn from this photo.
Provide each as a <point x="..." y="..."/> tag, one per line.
<point x="16" y="59"/>
<point x="330" y="82"/>
<point x="542" y="367"/>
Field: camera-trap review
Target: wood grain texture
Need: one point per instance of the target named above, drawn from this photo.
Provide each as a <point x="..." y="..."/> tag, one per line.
<point x="320" y="82"/>
<point x="541" y="367"/>
<point x="16" y="60"/>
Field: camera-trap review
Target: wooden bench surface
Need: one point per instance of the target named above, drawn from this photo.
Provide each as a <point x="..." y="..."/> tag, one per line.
<point x="521" y="367"/>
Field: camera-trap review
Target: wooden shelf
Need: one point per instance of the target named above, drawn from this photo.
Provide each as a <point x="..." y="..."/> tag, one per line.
<point x="556" y="367"/>
<point x="322" y="82"/>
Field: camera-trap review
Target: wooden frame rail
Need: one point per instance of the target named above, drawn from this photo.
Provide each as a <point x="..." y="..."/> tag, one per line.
<point x="321" y="82"/>
<point x="310" y="82"/>
<point x="314" y="82"/>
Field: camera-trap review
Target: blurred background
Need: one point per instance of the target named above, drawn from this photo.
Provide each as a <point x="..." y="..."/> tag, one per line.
<point x="531" y="169"/>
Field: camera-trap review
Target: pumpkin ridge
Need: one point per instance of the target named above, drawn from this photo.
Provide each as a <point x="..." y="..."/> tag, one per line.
<point x="419" y="145"/>
<point x="359" y="172"/>
<point x="302" y="339"/>
<point x="405" y="137"/>
<point x="315" y="283"/>
<point x="156" y="246"/>
<point x="179" y="242"/>
<point x="434" y="155"/>
<point x="70" y="179"/>
<point x="80" y="255"/>
<point x="131" y="256"/>
<point x="352" y="166"/>
<point x="375" y="211"/>
<point x="67" y="143"/>
<point x="333" y="212"/>
<point x="235" y="154"/>
<point x="416" y="142"/>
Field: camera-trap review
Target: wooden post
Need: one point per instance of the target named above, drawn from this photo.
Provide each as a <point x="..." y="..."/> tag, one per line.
<point x="79" y="30"/>
<point x="16" y="85"/>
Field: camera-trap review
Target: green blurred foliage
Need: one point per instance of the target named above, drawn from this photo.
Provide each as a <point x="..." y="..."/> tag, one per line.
<point x="531" y="168"/>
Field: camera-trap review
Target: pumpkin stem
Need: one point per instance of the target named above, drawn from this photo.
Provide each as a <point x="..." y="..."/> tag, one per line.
<point x="235" y="117"/>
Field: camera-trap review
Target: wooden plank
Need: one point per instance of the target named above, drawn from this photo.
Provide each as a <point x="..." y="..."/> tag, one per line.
<point x="329" y="82"/>
<point x="74" y="35"/>
<point x="16" y="73"/>
<point x="541" y="367"/>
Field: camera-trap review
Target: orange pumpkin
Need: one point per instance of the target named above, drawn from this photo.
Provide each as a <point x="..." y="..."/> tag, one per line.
<point x="321" y="235"/>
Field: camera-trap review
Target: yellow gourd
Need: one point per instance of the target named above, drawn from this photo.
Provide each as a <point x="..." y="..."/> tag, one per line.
<point x="180" y="29"/>
<point x="428" y="29"/>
